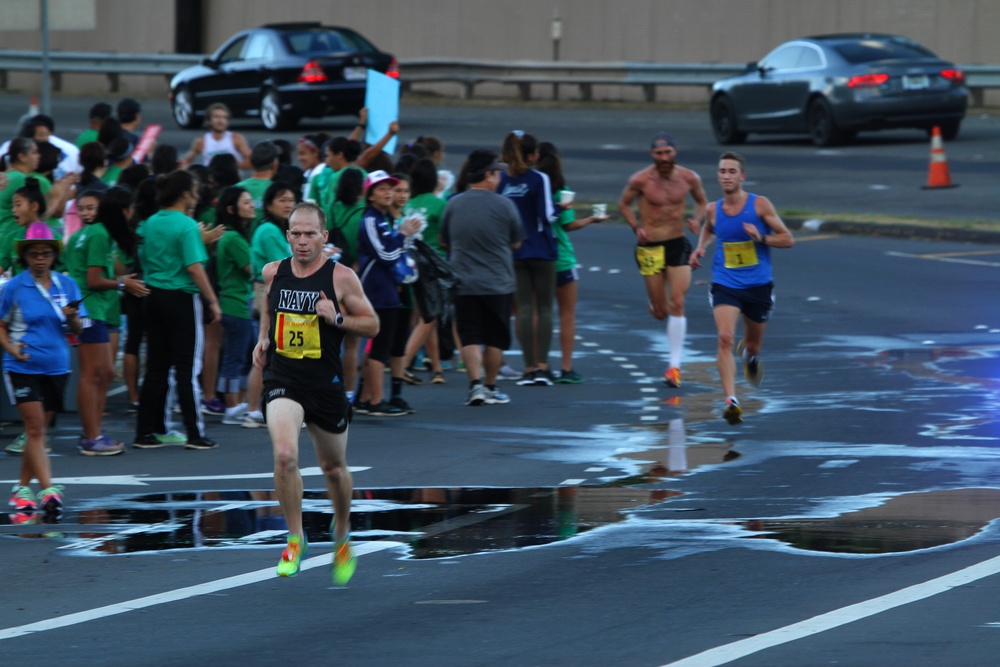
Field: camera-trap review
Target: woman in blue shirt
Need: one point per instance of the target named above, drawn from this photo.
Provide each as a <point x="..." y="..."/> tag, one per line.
<point x="36" y="308"/>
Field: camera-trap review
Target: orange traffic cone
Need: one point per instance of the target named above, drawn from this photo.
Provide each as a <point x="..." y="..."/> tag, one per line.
<point x="939" y="176"/>
<point x="33" y="107"/>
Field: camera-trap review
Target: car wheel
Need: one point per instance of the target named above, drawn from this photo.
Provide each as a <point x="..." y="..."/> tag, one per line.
<point x="949" y="129"/>
<point x="724" y="122"/>
<point x="272" y="115"/>
<point x="822" y="127"/>
<point x="183" y="109"/>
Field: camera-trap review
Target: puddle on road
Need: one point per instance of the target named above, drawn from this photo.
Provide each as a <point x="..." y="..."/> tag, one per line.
<point x="433" y="522"/>
<point x="904" y="523"/>
<point x="446" y="522"/>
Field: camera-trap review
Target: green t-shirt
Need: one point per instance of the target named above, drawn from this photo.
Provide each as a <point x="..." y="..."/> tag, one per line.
<point x="324" y="189"/>
<point x="347" y="219"/>
<point x="15" y="181"/>
<point x="86" y="137"/>
<point x="171" y="242"/>
<point x="267" y="245"/>
<point x="92" y="246"/>
<point x="256" y="187"/>
<point x="566" y="259"/>
<point x="432" y="208"/>
<point x="111" y="175"/>
<point x="232" y="256"/>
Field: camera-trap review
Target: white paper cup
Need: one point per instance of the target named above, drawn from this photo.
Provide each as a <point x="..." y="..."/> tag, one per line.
<point x="600" y="210"/>
<point x="566" y="197"/>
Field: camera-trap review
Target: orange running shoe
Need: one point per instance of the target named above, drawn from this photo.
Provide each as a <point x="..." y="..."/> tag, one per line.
<point x="672" y="377"/>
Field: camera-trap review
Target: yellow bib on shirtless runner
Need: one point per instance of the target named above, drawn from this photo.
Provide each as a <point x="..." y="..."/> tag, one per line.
<point x="739" y="254"/>
<point x="651" y="259"/>
<point x="296" y="336"/>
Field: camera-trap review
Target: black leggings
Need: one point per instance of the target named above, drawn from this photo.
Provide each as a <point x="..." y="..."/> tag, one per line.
<point x="175" y="338"/>
<point x="536" y="292"/>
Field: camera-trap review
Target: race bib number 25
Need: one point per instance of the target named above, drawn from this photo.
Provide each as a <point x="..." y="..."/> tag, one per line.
<point x="296" y="336"/>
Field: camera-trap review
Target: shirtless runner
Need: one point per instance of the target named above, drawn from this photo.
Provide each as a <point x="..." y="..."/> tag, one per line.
<point x="662" y="251"/>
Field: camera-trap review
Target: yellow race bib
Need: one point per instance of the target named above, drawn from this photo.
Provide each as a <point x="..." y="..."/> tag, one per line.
<point x="739" y="254"/>
<point x="296" y="336"/>
<point x="651" y="259"/>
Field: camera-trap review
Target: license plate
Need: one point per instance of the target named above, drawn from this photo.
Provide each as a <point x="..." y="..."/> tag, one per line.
<point x="360" y="73"/>
<point x="916" y="82"/>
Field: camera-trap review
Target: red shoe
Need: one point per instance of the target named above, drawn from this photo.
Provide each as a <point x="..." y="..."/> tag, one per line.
<point x="672" y="377"/>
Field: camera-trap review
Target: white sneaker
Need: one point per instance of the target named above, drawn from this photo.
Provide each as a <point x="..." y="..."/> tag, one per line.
<point x="496" y="397"/>
<point x="234" y="415"/>
<point x="508" y="373"/>
<point x="477" y="395"/>
<point x="253" y="419"/>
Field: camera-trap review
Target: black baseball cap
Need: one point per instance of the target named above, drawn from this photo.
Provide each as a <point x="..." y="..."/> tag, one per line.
<point x="662" y="139"/>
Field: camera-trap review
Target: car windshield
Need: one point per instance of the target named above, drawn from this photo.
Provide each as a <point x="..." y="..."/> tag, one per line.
<point x="869" y="50"/>
<point x="307" y="42"/>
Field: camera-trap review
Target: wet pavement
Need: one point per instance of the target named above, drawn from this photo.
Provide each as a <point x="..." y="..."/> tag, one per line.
<point x="613" y="522"/>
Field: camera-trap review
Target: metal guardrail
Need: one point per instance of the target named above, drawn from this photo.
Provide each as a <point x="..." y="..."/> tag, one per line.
<point x="113" y="65"/>
<point x="467" y="73"/>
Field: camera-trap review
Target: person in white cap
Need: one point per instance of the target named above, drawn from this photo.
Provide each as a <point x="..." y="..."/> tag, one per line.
<point x="379" y="248"/>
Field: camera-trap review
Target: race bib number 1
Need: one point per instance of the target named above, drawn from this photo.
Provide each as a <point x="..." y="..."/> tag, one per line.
<point x="296" y="336"/>
<point x="739" y="254"/>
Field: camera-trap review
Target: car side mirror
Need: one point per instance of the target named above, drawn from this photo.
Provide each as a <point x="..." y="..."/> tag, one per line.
<point x="208" y="62"/>
<point x="751" y="67"/>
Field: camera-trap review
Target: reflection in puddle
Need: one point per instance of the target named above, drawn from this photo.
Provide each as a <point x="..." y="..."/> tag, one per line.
<point x="434" y="522"/>
<point x="904" y="523"/>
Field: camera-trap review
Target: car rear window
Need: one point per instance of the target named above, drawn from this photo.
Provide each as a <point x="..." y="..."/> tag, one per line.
<point x="869" y="50"/>
<point x="325" y="41"/>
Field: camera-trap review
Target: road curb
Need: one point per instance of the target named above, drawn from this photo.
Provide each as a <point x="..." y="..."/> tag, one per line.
<point x="896" y="230"/>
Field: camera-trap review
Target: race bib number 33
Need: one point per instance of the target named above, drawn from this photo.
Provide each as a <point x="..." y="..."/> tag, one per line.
<point x="296" y="336"/>
<point x="739" y="254"/>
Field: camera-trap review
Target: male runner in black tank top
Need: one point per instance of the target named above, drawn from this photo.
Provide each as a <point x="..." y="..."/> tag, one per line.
<point x="312" y="302"/>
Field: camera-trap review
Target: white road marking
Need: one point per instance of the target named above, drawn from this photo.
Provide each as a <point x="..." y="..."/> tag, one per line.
<point x="954" y="260"/>
<point x="180" y="594"/>
<point x="572" y="482"/>
<point x="721" y="655"/>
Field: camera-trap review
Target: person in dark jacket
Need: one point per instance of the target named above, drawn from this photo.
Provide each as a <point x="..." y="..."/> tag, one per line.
<point x="535" y="259"/>
<point x="379" y="248"/>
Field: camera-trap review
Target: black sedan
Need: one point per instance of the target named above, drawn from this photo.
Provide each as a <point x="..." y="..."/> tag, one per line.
<point x="833" y="86"/>
<point x="281" y="73"/>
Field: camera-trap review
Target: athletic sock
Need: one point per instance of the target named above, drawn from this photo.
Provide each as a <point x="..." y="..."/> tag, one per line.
<point x="676" y="330"/>
<point x="397" y="387"/>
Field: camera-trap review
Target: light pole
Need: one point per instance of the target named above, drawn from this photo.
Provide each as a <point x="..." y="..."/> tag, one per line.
<point x="556" y="36"/>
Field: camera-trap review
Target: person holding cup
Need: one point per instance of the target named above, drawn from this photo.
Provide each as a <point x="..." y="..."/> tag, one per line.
<point x="550" y="164"/>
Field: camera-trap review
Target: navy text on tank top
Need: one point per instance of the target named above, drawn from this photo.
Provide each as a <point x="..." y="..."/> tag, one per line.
<point x="303" y="350"/>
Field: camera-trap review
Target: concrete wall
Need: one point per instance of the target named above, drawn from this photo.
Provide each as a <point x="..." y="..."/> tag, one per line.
<point x="650" y="30"/>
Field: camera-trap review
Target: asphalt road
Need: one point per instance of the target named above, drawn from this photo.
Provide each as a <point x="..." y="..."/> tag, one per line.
<point x="850" y="520"/>
<point x="880" y="174"/>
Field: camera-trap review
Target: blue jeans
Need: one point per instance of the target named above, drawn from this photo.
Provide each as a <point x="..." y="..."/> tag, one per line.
<point x="237" y="348"/>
